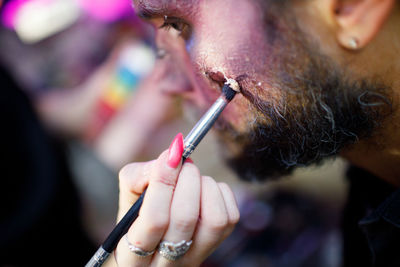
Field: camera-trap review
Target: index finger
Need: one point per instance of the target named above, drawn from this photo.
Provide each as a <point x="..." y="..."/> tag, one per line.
<point x="135" y="177"/>
<point x="147" y="231"/>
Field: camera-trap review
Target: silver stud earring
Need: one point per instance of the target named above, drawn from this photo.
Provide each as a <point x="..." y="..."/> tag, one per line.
<point x="353" y="43"/>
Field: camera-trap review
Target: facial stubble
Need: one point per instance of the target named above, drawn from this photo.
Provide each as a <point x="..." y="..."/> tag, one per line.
<point x="310" y="111"/>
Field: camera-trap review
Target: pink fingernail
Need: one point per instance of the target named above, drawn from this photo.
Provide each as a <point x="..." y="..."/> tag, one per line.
<point x="175" y="151"/>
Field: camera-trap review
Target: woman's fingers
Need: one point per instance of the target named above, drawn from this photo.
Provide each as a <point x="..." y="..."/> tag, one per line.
<point x="231" y="207"/>
<point x="218" y="216"/>
<point x="133" y="179"/>
<point x="185" y="210"/>
<point x="189" y="208"/>
<point x="148" y="229"/>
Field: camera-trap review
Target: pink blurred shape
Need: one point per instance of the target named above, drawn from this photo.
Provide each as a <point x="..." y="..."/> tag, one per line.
<point x="107" y="10"/>
<point x="10" y="12"/>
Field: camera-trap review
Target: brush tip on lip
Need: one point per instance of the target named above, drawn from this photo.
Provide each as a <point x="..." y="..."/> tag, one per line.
<point x="233" y="84"/>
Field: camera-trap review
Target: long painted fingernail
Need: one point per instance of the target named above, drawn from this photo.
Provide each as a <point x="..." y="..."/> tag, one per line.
<point x="175" y="151"/>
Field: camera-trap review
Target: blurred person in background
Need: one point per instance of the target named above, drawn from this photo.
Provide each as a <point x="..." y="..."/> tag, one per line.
<point x="81" y="91"/>
<point x="79" y="87"/>
<point x="38" y="198"/>
<point x="40" y="217"/>
<point x="318" y="79"/>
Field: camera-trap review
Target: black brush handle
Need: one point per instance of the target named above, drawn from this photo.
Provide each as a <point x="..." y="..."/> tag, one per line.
<point x="123" y="226"/>
<point x="117" y="233"/>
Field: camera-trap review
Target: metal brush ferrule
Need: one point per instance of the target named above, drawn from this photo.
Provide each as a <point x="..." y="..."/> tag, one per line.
<point x="203" y="126"/>
<point x="98" y="258"/>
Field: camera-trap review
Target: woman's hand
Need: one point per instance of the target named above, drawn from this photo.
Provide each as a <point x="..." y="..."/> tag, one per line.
<point x="179" y="204"/>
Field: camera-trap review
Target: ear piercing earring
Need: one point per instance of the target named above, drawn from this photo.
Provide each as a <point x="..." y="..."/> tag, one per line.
<point x="353" y="43"/>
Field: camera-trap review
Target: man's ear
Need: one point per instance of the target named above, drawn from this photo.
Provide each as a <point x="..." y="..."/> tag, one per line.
<point x="359" y="21"/>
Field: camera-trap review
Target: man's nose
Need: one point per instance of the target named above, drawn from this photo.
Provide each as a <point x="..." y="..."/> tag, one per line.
<point x="168" y="77"/>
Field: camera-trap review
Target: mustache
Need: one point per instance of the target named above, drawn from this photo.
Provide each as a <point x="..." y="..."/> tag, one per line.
<point x="316" y="125"/>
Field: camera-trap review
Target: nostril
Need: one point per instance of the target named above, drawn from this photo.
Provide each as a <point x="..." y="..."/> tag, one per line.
<point x="217" y="77"/>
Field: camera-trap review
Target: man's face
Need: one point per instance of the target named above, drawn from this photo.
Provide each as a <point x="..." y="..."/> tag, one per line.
<point x="298" y="105"/>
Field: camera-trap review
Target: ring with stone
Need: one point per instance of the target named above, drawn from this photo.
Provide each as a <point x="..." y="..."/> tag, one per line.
<point x="173" y="251"/>
<point x="138" y="251"/>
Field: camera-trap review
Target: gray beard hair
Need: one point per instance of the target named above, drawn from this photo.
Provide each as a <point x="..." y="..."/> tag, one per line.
<point x="320" y="111"/>
<point x="340" y="114"/>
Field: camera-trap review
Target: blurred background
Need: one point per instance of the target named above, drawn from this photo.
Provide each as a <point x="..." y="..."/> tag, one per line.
<point x="75" y="86"/>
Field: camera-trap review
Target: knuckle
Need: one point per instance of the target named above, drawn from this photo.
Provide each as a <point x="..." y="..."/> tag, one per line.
<point x="222" y="184"/>
<point x="190" y="169"/>
<point x="157" y="225"/>
<point x="217" y="224"/>
<point x="185" y="224"/>
<point x="134" y="177"/>
<point x="165" y="177"/>
<point x="208" y="180"/>
<point x="128" y="170"/>
<point x="126" y="174"/>
<point x="167" y="180"/>
<point x="235" y="217"/>
<point x="234" y="213"/>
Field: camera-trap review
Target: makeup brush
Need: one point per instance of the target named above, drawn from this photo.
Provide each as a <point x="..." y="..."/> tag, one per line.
<point x="229" y="90"/>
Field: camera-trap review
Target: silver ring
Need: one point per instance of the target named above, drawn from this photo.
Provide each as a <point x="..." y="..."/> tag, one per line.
<point x="173" y="251"/>
<point x="138" y="251"/>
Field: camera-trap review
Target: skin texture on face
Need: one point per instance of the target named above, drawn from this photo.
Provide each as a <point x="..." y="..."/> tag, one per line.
<point x="298" y="105"/>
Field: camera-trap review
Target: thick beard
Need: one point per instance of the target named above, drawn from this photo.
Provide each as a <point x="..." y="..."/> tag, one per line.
<point x="319" y="112"/>
<point x="337" y="115"/>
